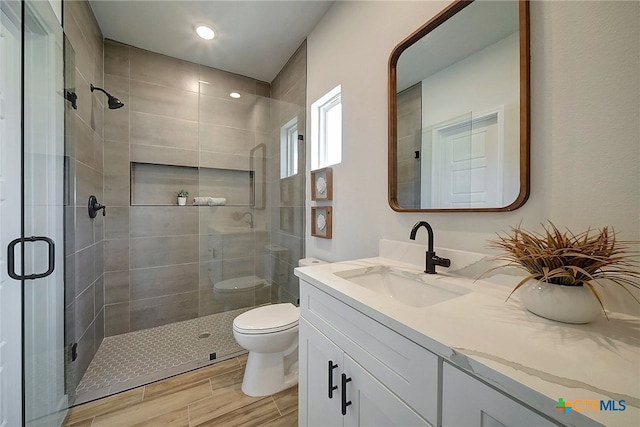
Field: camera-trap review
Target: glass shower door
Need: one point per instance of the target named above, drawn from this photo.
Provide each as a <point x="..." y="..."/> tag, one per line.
<point x="10" y="143"/>
<point x="45" y="400"/>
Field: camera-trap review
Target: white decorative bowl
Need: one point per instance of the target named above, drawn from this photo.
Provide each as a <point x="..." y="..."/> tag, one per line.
<point x="568" y="304"/>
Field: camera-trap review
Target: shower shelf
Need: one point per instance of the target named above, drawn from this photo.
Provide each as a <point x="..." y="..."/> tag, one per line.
<point x="158" y="184"/>
<point x="193" y="206"/>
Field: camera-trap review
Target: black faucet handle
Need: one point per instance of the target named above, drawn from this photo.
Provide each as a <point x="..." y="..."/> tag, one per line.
<point x="442" y="262"/>
<point x="432" y="260"/>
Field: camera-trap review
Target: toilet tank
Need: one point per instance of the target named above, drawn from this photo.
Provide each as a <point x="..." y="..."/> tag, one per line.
<point x="276" y="264"/>
<point x="305" y="262"/>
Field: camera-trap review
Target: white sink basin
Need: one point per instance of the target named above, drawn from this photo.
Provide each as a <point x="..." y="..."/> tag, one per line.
<point x="412" y="289"/>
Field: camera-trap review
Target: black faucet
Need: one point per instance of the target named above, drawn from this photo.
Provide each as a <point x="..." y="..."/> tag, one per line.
<point x="432" y="258"/>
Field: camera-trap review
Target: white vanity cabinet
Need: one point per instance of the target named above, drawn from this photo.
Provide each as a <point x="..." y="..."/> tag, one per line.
<point x="319" y="362"/>
<point x="470" y="360"/>
<point x="393" y="382"/>
<point x="344" y="393"/>
<point x="468" y="402"/>
<point x="355" y="371"/>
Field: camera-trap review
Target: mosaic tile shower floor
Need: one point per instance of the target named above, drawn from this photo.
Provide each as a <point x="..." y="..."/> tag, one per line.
<point x="136" y="358"/>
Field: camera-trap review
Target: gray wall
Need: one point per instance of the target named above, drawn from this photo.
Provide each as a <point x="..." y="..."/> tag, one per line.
<point x="409" y="141"/>
<point x="84" y="284"/>
<point x="149" y="262"/>
<point x="288" y="195"/>
<point x="179" y="129"/>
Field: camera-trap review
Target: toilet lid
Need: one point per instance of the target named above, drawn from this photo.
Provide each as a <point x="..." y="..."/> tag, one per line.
<point x="267" y="319"/>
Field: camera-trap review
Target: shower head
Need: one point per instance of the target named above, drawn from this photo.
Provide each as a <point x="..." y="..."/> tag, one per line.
<point x="112" y="101"/>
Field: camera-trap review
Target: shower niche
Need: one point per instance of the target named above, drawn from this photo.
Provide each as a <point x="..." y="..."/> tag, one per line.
<point x="155" y="184"/>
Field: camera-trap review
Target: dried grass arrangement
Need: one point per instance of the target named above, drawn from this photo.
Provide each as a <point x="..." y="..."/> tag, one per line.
<point x="564" y="258"/>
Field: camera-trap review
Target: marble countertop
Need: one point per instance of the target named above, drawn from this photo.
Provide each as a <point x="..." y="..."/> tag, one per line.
<point x="535" y="360"/>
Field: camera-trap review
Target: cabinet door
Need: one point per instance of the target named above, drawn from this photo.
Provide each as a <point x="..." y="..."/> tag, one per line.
<point x="317" y="378"/>
<point x="403" y="366"/>
<point x="372" y="404"/>
<point x="469" y="402"/>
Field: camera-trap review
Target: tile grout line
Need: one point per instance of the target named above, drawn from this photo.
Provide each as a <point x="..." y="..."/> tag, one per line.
<point x="277" y="407"/>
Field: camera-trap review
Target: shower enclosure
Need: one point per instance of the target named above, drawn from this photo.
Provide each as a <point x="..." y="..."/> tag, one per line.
<point x="75" y="283"/>
<point x="32" y="388"/>
<point x="176" y="276"/>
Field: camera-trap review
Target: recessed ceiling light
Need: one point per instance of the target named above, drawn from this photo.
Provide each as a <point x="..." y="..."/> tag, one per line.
<point x="205" y="32"/>
<point x="234" y="95"/>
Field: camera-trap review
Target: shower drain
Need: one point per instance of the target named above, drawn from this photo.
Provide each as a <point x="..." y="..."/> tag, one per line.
<point x="204" y="335"/>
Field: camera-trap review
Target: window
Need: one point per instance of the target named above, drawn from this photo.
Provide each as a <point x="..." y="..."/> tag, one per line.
<point x="289" y="149"/>
<point x="326" y="130"/>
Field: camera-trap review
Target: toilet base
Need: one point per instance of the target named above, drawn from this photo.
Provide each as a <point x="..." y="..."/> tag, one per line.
<point x="269" y="373"/>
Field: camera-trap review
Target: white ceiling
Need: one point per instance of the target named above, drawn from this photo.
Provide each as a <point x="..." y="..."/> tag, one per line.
<point x="253" y="38"/>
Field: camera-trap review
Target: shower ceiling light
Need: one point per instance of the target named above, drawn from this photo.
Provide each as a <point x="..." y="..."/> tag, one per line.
<point x="234" y="95"/>
<point x="205" y="32"/>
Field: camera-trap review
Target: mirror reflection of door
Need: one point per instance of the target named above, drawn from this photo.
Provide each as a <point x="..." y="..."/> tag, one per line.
<point x="467" y="164"/>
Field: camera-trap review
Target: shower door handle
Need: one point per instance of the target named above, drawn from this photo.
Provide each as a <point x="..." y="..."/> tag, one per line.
<point x="11" y="258"/>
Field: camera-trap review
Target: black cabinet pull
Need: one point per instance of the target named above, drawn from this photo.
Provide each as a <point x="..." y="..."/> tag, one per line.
<point x="345" y="380"/>
<point x="331" y="386"/>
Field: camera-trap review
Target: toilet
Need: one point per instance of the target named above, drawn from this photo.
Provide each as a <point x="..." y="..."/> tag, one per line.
<point x="241" y="291"/>
<point x="270" y="333"/>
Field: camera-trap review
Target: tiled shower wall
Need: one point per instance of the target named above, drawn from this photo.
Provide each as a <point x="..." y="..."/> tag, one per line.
<point x="288" y="194"/>
<point x="84" y="284"/>
<point x="179" y="122"/>
<point x="143" y="266"/>
<point x="409" y="141"/>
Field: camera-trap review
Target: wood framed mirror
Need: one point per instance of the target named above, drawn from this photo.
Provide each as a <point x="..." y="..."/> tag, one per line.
<point x="459" y="111"/>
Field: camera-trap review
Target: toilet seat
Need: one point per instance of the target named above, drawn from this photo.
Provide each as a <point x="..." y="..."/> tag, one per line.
<point x="268" y="319"/>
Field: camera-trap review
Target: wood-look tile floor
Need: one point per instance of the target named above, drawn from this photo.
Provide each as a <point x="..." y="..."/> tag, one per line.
<point x="209" y="396"/>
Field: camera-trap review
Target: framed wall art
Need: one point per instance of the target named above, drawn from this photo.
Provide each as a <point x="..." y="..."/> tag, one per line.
<point x="322" y="184"/>
<point x="321" y="221"/>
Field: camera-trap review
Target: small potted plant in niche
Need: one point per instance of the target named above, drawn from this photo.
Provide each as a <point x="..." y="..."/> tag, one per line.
<point x="182" y="197"/>
<point x="568" y="271"/>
